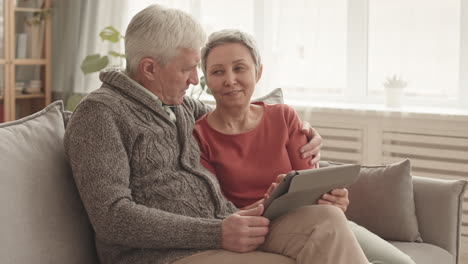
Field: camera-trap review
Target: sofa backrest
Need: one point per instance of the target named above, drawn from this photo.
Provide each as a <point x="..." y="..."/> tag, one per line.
<point x="43" y="219"/>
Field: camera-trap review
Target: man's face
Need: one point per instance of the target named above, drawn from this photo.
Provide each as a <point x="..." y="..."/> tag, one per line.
<point x="172" y="80"/>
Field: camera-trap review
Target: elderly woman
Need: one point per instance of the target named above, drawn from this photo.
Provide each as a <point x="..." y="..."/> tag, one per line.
<point x="232" y="137"/>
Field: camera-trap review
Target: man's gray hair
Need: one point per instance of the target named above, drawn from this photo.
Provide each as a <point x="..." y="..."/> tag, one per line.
<point x="226" y="36"/>
<point x="158" y="32"/>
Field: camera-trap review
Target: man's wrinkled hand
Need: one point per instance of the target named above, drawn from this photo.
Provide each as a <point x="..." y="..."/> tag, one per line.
<point x="245" y="230"/>
<point x="312" y="148"/>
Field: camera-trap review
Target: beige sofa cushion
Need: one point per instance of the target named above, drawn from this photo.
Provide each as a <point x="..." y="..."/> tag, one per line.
<point x="273" y="97"/>
<point x="382" y="200"/>
<point x="424" y="253"/>
<point x="43" y="220"/>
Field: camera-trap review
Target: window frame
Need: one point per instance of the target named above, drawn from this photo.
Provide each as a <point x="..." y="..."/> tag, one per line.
<point x="356" y="90"/>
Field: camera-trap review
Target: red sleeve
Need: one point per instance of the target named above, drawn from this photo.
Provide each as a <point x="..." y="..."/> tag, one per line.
<point x="296" y="140"/>
<point x="204" y="148"/>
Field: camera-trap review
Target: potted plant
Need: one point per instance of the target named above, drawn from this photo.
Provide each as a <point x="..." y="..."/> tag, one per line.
<point x="96" y="62"/>
<point x="394" y="86"/>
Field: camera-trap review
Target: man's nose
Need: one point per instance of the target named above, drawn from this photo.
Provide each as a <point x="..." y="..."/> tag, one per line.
<point x="193" y="78"/>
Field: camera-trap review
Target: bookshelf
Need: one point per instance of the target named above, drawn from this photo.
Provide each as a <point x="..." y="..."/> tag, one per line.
<point x="25" y="62"/>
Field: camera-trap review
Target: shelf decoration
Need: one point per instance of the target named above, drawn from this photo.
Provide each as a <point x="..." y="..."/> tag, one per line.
<point x="394" y="87"/>
<point x="35" y="32"/>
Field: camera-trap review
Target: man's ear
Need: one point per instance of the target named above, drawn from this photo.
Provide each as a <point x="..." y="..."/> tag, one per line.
<point x="259" y="73"/>
<point x="148" y="67"/>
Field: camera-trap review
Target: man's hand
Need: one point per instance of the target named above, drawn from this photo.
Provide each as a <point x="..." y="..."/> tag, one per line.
<point x="313" y="147"/>
<point x="338" y="197"/>
<point x="245" y="230"/>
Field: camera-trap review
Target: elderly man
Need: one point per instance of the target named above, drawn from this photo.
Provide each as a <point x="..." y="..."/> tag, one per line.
<point x="137" y="167"/>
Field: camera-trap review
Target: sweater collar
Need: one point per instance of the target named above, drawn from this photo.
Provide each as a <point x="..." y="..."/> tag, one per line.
<point x="120" y="81"/>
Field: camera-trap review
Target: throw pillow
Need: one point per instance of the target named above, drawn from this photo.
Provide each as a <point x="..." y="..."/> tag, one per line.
<point x="273" y="97"/>
<point x="382" y="200"/>
<point x="43" y="220"/>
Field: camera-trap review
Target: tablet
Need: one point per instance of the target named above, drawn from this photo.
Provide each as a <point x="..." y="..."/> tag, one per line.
<point x="305" y="187"/>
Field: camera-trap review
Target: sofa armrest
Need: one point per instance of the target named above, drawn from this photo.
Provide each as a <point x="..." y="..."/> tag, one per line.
<point x="439" y="211"/>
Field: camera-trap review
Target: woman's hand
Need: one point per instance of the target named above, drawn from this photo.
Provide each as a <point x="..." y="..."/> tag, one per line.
<point x="270" y="190"/>
<point x="312" y="148"/>
<point x="337" y="197"/>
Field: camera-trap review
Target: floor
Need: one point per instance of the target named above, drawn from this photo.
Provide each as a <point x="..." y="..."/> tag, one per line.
<point x="464" y="250"/>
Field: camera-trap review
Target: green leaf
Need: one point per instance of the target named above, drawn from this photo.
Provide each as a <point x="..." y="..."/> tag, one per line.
<point x="202" y="82"/>
<point x="110" y="34"/>
<point x="73" y="101"/>
<point x="116" y="54"/>
<point x="204" y="86"/>
<point x="94" y="63"/>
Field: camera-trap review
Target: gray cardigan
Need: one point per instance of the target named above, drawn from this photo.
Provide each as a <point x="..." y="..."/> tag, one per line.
<point x="139" y="176"/>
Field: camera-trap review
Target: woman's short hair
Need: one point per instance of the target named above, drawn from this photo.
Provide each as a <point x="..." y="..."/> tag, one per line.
<point x="159" y="32"/>
<point x="231" y="36"/>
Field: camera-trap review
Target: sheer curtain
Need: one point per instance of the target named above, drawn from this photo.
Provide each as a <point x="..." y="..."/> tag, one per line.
<point x="321" y="50"/>
<point x="302" y="42"/>
<point x="421" y="44"/>
<point x="75" y="34"/>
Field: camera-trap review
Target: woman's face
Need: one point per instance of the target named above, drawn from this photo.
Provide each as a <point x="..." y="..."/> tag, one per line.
<point x="230" y="74"/>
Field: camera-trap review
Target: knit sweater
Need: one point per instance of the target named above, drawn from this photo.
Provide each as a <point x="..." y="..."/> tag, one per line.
<point x="139" y="176"/>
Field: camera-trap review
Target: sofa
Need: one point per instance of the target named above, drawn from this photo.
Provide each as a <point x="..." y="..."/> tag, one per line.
<point x="43" y="219"/>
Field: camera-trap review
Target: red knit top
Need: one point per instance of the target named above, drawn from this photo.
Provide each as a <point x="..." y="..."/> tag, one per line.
<point x="247" y="163"/>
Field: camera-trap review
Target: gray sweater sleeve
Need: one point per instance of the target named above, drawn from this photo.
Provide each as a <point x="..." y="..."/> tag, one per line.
<point x="199" y="108"/>
<point x="94" y="143"/>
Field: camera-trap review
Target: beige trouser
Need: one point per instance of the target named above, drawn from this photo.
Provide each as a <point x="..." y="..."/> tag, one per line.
<point x="313" y="234"/>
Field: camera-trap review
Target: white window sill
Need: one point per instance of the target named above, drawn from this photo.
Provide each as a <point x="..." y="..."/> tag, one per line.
<point x="459" y="114"/>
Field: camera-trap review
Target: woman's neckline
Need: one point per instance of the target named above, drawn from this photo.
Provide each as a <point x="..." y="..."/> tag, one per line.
<point x="262" y="104"/>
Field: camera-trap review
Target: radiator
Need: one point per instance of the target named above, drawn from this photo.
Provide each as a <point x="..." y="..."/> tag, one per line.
<point x="342" y="144"/>
<point x="431" y="156"/>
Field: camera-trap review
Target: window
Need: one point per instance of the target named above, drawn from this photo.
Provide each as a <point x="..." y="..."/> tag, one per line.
<point x="309" y="43"/>
<point x="419" y="40"/>
<point x="342" y="50"/>
<point x="216" y="15"/>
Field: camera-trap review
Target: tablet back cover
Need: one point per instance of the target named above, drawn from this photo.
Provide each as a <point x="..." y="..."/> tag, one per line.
<point x="305" y="187"/>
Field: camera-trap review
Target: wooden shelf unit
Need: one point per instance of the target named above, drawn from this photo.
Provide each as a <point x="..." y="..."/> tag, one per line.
<point x="22" y="65"/>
